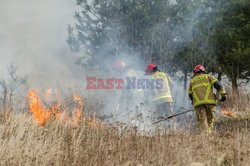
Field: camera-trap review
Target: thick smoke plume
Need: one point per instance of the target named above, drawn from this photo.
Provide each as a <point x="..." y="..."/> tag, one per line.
<point x="33" y="38"/>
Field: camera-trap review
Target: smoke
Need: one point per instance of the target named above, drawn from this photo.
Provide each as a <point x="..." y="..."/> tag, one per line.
<point x="33" y="37"/>
<point x="123" y="103"/>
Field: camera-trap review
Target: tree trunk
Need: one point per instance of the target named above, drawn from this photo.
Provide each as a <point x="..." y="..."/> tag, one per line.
<point x="235" y="78"/>
<point x="185" y="81"/>
<point x="219" y="76"/>
<point x="235" y="85"/>
<point x="219" y="79"/>
<point x="185" y="86"/>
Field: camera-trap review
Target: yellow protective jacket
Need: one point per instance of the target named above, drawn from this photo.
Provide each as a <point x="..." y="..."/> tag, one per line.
<point x="164" y="94"/>
<point x="138" y="92"/>
<point x="201" y="89"/>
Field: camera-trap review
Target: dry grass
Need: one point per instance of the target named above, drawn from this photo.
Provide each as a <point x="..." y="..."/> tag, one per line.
<point x="22" y="142"/>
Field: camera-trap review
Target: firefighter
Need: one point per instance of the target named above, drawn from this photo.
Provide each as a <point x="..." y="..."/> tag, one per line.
<point x="122" y="70"/>
<point x="128" y="98"/>
<point x="162" y="97"/>
<point x="203" y="99"/>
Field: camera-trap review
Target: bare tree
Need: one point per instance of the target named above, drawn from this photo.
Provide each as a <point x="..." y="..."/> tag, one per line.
<point x="11" y="84"/>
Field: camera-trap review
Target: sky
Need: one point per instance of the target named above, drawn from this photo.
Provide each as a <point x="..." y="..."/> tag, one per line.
<point x="33" y="37"/>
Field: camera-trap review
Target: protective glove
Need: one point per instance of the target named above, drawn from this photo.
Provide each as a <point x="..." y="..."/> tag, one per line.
<point x="223" y="98"/>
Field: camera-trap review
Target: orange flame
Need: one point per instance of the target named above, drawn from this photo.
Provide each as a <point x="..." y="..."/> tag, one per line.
<point x="54" y="111"/>
<point x="78" y="115"/>
<point x="78" y="99"/>
<point x="40" y="114"/>
<point x="230" y="114"/>
<point x="48" y="93"/>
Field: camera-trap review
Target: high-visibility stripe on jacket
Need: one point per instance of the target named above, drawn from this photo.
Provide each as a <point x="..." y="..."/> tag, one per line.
<point x="201" y="88"/>
<point x="163" y="94"/>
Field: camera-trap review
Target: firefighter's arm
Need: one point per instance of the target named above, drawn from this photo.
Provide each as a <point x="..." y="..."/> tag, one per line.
<point x="138" y="92"/>
<point x="218" y="86"/>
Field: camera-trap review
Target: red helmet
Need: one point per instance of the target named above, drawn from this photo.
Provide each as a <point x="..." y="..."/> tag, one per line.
<point x="199" y="68"/>
<point x="119" y="64"/>
<point x="150" y="68"/>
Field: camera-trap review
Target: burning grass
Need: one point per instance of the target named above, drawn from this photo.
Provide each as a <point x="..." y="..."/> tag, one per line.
<point x="43" y="115"/>
<point x="23" y="142"/>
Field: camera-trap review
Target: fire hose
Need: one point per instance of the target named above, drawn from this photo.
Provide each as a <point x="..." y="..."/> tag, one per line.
<point x="172" y="116"/>
<point x="228" y="114"/>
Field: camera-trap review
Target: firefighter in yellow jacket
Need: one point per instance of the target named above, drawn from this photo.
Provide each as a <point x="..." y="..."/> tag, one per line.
<point x="162" y="97"/>
<point x="127" y="99"/>
<point x="202" y="97"/>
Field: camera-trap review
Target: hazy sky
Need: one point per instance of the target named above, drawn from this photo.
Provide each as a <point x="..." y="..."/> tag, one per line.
<point x="33" y="37"/>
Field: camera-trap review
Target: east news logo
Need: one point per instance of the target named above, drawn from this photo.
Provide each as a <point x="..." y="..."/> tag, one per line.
<point x="128" y="83"/>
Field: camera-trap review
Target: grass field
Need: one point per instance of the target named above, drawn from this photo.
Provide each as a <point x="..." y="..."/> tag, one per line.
<point x="23" y="142"/>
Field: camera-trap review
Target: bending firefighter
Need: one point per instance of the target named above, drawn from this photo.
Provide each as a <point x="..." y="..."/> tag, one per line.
<point x="202" y="97"/>
<point x="127" y="98"/>
<point x="162" y="97"/>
